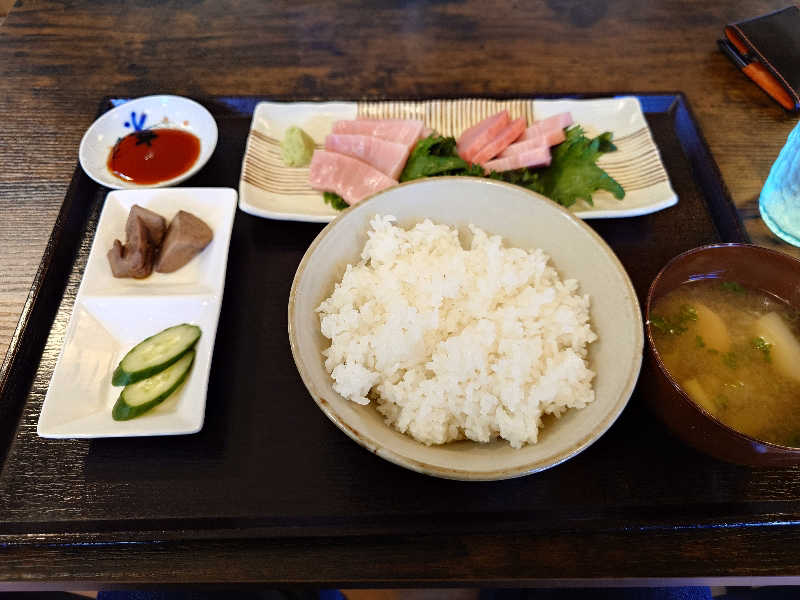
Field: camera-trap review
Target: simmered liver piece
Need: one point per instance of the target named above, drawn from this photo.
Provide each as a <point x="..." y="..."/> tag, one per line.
<point x="186" y="237"/>
<point x="135" y="258"/>
<point x="156" y="224"/>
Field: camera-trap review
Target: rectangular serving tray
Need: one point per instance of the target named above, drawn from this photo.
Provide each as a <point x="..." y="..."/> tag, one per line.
<point x="268" y="463"/>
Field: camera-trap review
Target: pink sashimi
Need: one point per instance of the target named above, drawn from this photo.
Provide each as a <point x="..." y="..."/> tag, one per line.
<point x="555" y="137"/>
<point x="551" y="137"/>
<point x="501" y="142"/>
<point x="559" y="121"/>
<point x="480" y="134"/>
<point x="401" y="131"/>
<point x="537" y="157"/>
<point x="349" y="177"/>
<point x="388" y="157"/>
<point x="551" y="127"/>
<point x="524" y="145"/>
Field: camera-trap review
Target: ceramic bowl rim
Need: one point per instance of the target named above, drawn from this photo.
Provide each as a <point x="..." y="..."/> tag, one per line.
<point x="574" y="449"/>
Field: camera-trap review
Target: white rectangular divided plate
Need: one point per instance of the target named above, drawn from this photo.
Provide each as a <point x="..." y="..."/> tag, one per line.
<point x="268" y="188"/>
<point x="112" y="315"/>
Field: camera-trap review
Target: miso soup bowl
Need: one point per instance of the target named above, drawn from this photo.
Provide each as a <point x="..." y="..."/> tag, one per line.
<point x="760" y="268"/>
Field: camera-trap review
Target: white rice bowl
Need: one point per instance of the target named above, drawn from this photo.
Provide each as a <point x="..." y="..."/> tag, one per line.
<point x="455" y="343"/>
<point x="524" y="220"/>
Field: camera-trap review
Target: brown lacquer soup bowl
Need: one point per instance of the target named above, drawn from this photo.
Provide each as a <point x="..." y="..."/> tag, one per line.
<point x="773" y="272"/>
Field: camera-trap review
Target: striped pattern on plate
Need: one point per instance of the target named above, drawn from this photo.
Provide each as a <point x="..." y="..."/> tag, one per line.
<point x="637" y="163"/>
<point x="265" y="169"/>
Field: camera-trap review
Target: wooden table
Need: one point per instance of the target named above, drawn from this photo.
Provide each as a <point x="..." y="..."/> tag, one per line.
<point x="57" y="60"/>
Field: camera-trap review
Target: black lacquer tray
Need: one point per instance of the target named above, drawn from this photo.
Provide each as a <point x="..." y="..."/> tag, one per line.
<point x="268" y="463"/>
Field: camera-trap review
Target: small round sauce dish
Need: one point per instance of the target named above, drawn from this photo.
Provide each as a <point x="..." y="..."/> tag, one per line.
<point x="712" y="418"/>
<point x="153" y="141"/>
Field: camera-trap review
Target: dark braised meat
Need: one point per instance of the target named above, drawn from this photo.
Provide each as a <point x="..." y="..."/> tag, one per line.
<point x="156" y="224"/>
<point x="186" y="237"/>
<point x="135" y="258"/>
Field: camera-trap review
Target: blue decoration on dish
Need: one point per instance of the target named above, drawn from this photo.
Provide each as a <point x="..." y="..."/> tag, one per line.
<point x="138" y="125"/>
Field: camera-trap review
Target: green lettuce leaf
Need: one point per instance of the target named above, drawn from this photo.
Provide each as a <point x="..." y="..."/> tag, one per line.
<point x="573" y="173"/>
<point x="437" y="155"/>
<point x="335" y="200"/>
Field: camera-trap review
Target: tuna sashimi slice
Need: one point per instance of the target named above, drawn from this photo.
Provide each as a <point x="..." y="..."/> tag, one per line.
<point x="559" y="121"/>
<point x="551" y="137"/>
<point x="480" y="134"/>
<point x="388" y="157"/>
<point x="402" y="131"/>
<point x="556" y="136"/>
<point x="349" y="177"/>
<point x="537" y="157"/>
<point x="524" y="145"/>
<point x="554" y="126"/>
<point x="501" y="142"/>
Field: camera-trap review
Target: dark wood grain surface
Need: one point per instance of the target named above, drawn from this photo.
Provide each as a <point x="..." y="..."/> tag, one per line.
<point x="58" y="59"/>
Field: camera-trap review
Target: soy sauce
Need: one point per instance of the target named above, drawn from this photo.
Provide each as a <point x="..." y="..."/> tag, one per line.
<point x="153" y="155"/>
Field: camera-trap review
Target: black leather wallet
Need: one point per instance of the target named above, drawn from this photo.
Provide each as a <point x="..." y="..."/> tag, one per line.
<point x="767" y="50"/>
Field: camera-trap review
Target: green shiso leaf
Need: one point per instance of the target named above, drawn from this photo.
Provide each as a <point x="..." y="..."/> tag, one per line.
<point x="335" y="200"/>
<point x="436" y="155"/>
<point x="572" y="175"/>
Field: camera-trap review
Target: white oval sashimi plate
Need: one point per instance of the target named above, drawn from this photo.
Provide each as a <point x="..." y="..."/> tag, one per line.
<point x="270" y="189"/>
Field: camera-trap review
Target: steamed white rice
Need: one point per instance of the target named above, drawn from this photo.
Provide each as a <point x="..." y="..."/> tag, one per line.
<point x="455" y="343"/>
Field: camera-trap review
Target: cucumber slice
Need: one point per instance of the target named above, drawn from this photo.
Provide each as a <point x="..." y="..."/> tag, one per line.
<point x="155" y="354"/>
<point x="139" y="397"/>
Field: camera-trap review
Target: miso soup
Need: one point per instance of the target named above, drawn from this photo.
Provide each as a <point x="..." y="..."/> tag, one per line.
<point x="736" y="352"/>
